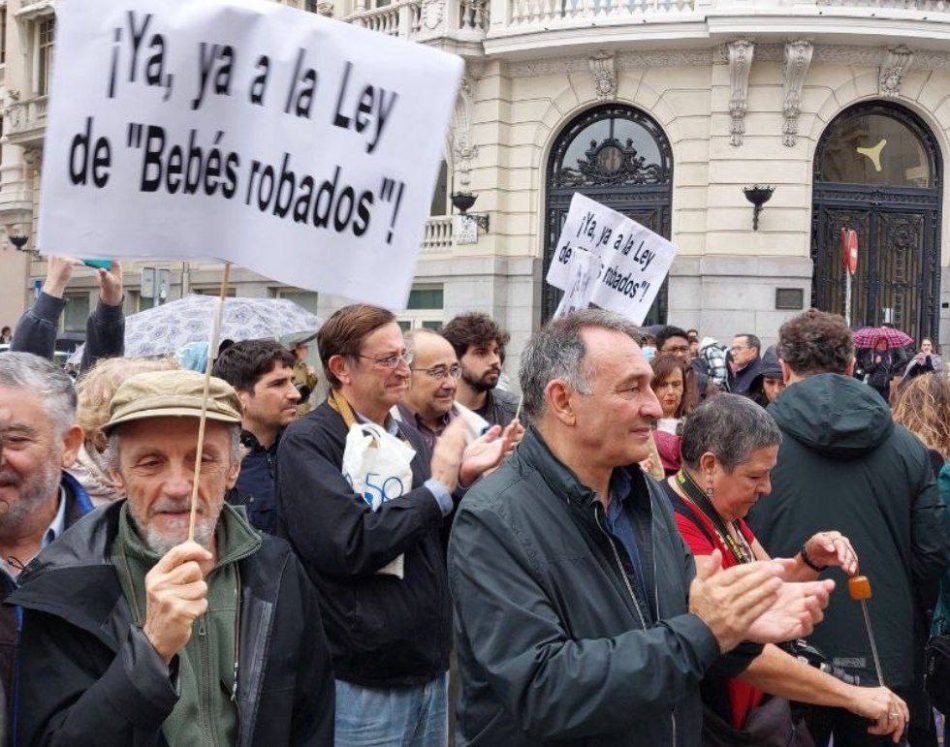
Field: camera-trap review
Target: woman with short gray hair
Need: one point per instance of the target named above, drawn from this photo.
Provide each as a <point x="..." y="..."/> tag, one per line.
<point x="729" y="448"/>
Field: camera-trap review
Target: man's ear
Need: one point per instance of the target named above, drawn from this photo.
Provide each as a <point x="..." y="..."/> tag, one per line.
<point x="245" y="397"/>
<point x="72" y="442"/>
<point x="786" y="371"/>
<point x="340" y="367"/>
<point x="233" y="471"/>
<point x="849" y="370"/>
<point x="558" y="395"/>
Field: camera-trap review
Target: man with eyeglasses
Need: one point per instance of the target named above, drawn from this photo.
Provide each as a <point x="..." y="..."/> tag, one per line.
<point x="745" y="362"/>
<point x="389" y="636"/>
<point x="429" y="403"/>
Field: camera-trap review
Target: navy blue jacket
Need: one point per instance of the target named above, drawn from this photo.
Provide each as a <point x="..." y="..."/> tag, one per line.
<point x="255" y="485"/>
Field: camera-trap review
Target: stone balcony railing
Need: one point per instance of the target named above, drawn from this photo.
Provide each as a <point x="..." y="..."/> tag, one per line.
<point x="25" y="121"/>
<point x="438" y="235"/>
<point x="464" y="21"/>
<point x="500" y="26"/>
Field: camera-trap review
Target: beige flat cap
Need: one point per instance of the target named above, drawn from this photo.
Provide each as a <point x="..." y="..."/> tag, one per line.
<point x="160" y="394"/>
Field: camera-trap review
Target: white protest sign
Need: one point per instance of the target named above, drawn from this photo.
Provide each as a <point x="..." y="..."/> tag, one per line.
<point x="302" y="148"/>
<point x="621" y="263"/>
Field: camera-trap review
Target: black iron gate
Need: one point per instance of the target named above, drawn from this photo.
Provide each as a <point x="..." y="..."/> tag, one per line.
<point x="895" y="212"/>
<point x="621" y="158"/>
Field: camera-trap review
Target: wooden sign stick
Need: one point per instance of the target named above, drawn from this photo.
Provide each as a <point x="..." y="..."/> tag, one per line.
<point x="212" y="349"/>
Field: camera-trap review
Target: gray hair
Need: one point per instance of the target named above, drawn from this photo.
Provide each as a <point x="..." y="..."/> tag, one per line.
<point x="729" y="426"/>
<point x="51" y="384"/>
<point x="557" y="351"/>
<point x="111" y="458"/>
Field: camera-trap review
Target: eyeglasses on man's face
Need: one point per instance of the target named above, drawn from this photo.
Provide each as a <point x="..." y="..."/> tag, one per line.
<point x="440" y="372"/>
<point x="391" y="361"/>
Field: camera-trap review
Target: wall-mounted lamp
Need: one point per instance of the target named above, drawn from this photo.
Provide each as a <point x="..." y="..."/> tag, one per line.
<point x="463" y="201"/>
<point x="19" y="241"/>
<point x="758" y="196"/>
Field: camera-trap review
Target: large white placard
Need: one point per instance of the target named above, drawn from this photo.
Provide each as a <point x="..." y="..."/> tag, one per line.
<point x="606" y="259"/>
<point x="302" y="148"/>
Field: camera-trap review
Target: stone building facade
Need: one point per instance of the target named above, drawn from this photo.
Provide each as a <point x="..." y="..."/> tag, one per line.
<point x="666" y="110"/>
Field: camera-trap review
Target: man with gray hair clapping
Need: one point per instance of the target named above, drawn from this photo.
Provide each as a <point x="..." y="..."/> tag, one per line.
<point x="580" y="617"/>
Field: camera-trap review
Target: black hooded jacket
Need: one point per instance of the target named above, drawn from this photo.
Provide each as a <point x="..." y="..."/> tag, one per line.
<point x="845" y="465"/>
<point x="87" y="676"/>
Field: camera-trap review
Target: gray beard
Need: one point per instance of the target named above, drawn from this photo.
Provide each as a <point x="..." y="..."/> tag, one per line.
<point x="160" y="544"/>
<point x="34" y="492"/>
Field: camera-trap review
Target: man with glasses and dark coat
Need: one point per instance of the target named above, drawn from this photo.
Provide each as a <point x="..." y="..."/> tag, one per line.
<point x="746" y="362"/>
<point x="389" y="635"/>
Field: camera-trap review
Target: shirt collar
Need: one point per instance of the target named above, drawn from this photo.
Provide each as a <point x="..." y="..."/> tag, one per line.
<point x="392" y="427"/>
<point x="58" y="525"/>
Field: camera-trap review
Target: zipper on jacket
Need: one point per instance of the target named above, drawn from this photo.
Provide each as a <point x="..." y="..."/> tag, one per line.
<point x="203" y="648"/>
<point x="656" y="592"/>
<point x="623" y="573"/>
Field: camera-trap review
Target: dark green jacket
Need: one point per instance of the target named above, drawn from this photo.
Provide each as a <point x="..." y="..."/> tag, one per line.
<point x="551" y="645"/>
<point x="844" y="464"/>
<point x="89" y="676"/>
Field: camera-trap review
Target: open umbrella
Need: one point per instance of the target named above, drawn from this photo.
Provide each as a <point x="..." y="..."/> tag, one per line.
<point x="867" y="337"/>
<point x="165" y="329"/>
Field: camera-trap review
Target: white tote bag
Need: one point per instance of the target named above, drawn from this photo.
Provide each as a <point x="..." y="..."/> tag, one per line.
<point x="378" y="467"/>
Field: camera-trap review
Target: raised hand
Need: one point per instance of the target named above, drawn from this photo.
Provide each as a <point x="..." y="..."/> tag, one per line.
<point x="110" y="285"/>
<point x="59" y="271"/>
<point x="175" y="596"/>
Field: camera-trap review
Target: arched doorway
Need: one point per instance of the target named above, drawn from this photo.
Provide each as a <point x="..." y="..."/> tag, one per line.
<point x="620" y="157"/>
<point x="878" y="170"/>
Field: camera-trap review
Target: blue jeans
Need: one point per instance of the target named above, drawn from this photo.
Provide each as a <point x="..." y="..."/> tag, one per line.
<point x="394" y="717"/>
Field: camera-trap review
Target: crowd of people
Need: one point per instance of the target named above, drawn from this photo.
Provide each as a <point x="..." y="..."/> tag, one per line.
<point x="652" y="545"/>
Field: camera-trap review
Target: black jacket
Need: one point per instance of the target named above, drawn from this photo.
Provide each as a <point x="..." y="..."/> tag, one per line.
<point x="740" y="381"/>
<point x="383" y="631"/>
<point x="255" y="485"/>
<point x="87" y="675"/>
<point x="36" y="331"/>
<point x="845" y="465"/>
<point x="500" y="407"/>
<point x="550" y="642"/>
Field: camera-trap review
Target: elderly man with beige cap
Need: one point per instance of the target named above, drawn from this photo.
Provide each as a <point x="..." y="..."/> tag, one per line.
<point x="134" y="635"/>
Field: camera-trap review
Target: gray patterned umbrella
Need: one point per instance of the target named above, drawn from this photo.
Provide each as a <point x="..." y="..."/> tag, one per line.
<point x="164" y="329"/>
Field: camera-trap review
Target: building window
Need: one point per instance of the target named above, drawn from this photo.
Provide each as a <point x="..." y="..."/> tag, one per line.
<point x="44" y="47"/>
<point x="3" y="35"/>
<point x="440" y="198"/>
<point x="305" y="299"/>
<point x="76" y="312"/>
<point x="425" y="309"/>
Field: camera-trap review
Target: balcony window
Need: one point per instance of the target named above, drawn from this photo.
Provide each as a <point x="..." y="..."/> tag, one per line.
<point x="3" y="35"/>
<point x="44" y="47"/>
<point x="424" y="310"/>
<point x="305" y="299"/>
<point x="440" y="198"/>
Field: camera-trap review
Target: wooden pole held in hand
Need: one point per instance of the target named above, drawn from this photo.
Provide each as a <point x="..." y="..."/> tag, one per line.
<point x="212" y="349"/>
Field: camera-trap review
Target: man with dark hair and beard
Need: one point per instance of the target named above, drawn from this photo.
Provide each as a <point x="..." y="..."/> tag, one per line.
<point x="134" y="634"/>
<point x="39" y="439"/>
<point x="480" y="347"/>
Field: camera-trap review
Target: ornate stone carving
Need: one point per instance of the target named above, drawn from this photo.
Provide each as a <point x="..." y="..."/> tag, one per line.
<point x="798" y="56"/>
<point x="325" y="8"/>
<point x="895" y="65"/>
<point x="605" y="75"/>
<point x="462" y="149"/>
<point x="33" y="158"/>
<point x="740" y="62"/>
<point x="432" y="12"/>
